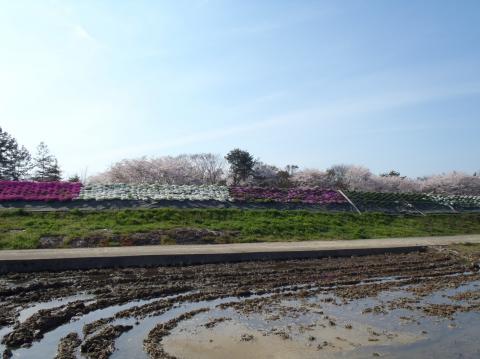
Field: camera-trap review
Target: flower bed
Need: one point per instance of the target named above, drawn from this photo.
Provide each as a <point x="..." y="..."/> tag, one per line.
<point x="286" y="195"/>
<point x="66" y="191"/>
<point x="155" y="192"/>
<point x="457" y="201"/>
<point x="381" y="197"/>
<point x="38" y="191"/>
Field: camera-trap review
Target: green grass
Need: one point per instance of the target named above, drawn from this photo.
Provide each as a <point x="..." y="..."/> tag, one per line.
<point x="20" y="229"/>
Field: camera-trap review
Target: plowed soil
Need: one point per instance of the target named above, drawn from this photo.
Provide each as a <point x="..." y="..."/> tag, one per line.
<point x="95" y="313"/>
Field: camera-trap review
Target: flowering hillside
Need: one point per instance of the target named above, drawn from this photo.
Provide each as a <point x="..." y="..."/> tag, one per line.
<point x="365" y="201"/>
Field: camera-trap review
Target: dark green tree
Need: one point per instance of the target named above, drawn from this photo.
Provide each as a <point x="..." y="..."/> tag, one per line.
<point x="7" y="145"/>
<point x="392" y="173"/>
<point x="15" y="160"/>
<point x="74" y="178"/>
<point x="21" y="164"/>
<point x="46" y="165"/>
<point x="241" y="165"/>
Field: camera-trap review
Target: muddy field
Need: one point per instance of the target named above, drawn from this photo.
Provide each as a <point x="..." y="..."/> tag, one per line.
<point x="417" y="304"/>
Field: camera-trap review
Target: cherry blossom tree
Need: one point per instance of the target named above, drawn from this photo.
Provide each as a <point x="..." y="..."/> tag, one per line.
<point x="196" y="169"/>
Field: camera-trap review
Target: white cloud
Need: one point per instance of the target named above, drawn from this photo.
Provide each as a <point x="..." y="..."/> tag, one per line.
<point x="81" y="33"/>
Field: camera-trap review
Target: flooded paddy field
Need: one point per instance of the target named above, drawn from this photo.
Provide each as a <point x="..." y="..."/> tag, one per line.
<point x="422" y="304"/>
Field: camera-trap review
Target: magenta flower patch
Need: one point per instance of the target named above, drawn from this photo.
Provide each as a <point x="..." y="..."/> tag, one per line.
<point x="39" y="191"/>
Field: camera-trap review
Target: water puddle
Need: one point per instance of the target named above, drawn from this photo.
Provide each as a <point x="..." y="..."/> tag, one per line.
<point x="47" y="347"/>
<point x="29" y="311"/>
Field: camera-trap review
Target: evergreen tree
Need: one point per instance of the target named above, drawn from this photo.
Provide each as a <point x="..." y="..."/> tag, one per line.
<point x="241" y="164"/>
<point x="21" y="164"/>
<point x="74" y="178"/>
<point x="6" y="147"/>
<point x="15" y="161"/>
<point x="46" y="165"/>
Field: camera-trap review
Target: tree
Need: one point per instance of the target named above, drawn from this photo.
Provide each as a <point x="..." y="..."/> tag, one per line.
<point x="452" y="183"/>
<point x="46" y="165"/>
<point x="7" y="144"/>
<point x="15" y="160"/>
<point x="284" y="179"/>
<point x="208" y="166"/>
<point x="21" y="164"/>
<point x="195" y="169"/>
<point x="54" y="171"/>
<point x="241" y="164"/>
<point x="311" y="178"/>
<point x="392" y="173"/>
<point x="291" y="169"/>
<point x="263" y="175"/>
<point x="74" y="178"/>
<point x="338" y="176"/>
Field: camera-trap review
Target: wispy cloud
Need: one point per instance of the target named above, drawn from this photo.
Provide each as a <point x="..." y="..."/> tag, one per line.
<point x="81" y="33"/>
<point x="344" y="109"/>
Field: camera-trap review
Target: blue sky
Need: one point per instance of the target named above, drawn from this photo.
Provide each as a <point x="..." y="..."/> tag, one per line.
<point x="384" y="84"/>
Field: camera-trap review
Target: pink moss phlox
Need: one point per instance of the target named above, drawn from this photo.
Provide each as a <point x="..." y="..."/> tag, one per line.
<point x="39" y="191"/>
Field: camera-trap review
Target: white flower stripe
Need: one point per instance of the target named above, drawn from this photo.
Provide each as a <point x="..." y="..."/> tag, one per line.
<point x="154" y="192"/>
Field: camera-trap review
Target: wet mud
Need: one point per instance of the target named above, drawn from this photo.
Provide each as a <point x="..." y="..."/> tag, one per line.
<point x="102" y="344"/>
<point x="67" y="346"/>
<point x="300" y="308"/>
<point x="153" y="343"/>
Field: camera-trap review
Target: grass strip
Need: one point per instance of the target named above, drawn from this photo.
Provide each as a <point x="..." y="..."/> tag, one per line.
<point x="21" y="229"/>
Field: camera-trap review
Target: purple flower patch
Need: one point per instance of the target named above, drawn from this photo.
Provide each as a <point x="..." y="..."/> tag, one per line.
<point x="39" y="191"/>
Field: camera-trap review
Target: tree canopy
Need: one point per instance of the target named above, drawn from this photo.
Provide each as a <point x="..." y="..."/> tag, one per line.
<point x="241" y="164"/>
<point x="46" y="165"/>
<point x="15" y="160"/>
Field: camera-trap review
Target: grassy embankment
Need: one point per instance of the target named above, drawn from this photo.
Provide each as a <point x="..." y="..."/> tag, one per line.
<point x="19" y="229"/>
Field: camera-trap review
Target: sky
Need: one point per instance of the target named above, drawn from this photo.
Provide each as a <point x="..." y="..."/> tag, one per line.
<point x="382" y="84"/>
